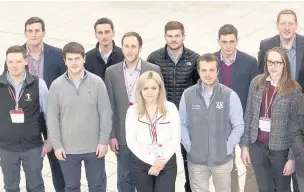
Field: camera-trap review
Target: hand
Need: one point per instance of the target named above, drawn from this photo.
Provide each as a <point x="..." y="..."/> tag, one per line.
<point x="245" y="156"/>
<point x="153" y="171"/>
<point x="101" y="150"/>
<point x="114" y="145"/>
<point x="60" y="154"/>
<point x="289" y="168"/>
<point x="47" y="147"/>
<point x="160" y="163"/>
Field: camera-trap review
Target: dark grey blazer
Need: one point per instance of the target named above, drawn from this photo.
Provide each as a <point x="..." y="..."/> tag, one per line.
<point x="115" y="83"/>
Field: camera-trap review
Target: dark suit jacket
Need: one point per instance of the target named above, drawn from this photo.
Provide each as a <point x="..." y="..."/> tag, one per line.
<point x="95" y="64"/>
<point x="272" y="42"/>
<point x="115" y="83"/>
<point x="54" y="65"/>
<point x="245" y="69"/>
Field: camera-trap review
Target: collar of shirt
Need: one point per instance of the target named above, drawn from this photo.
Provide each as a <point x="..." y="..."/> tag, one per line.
<point x="204" y="88"/>
<point x="271" y="81"/>
<point x="10" y="80"/>
<point x="81" y="75"/>
<point x="28" y="50"/>
<point x="138" y="66"/>
<point x="173" y="57"/>
<point x="105" y="56"/>
<point x="293" y="46"/>
<point x="228" y="62"/>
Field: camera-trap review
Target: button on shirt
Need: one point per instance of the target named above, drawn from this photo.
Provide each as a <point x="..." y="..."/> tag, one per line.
<point x="43" y="92"/>
<point x="292" y="58"/>
<point x="35" y="66"/>
<point x="131" y="77"/>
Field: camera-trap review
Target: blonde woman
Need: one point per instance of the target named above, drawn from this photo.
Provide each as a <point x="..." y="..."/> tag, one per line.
<point x="265" y="142"/>
<point x="153" y="136"/>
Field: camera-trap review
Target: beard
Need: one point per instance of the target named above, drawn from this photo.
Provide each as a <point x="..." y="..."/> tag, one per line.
<point x="175" y="47"/>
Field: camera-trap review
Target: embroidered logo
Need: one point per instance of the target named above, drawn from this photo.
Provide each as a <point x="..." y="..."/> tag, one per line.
<point x="196" y="107"/>
<point x="219" y="105"/>
<point x="188" y="63"/>
<point x="28" y="97"/>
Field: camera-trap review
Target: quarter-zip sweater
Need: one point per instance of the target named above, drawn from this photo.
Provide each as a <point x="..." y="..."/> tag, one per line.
<point x="79" y="118"/>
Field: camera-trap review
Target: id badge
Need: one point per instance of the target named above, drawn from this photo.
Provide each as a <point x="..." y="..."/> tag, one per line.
<point x="154" y="149"/>
<point x="264" y="124"/>
<point x="17" y="116"/>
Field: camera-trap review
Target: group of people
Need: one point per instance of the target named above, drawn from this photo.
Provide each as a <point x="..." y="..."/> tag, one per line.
<point x="70" y="105"/>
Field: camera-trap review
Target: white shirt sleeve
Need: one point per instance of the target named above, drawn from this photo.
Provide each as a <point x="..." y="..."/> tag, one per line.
<point x="173" y="145"/>
<point x="131" y="138"/>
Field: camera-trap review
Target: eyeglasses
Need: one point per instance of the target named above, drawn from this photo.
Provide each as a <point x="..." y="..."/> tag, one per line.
<point x="275" y="63"/>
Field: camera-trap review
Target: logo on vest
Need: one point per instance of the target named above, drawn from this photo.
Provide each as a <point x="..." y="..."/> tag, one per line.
<point x="188" y="63"/>
<point x="196" y="107"/>
<point x="219" y="105"/>
<point x="28" y="97"/>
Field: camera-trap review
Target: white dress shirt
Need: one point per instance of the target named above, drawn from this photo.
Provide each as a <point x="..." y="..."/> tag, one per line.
<point x="139" y="138"/>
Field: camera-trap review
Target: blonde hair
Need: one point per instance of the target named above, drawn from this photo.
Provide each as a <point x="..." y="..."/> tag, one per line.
<point x="140" y="102"/>
<point x="286" y="83"/>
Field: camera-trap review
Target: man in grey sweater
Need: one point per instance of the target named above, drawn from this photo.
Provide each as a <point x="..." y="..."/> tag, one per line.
<point x="212" y="125"/>
<point x="79" y="121"/>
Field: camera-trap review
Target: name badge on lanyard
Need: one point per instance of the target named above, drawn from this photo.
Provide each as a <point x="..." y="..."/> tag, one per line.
<point x="17" y="115"/>
<point x="154" y="148"/>
<point x="265" y="122"/>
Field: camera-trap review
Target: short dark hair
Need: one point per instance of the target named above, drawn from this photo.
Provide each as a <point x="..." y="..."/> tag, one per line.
<point x="287" y="12"/>
<point x="73" y="47"/>
<point x="228" y="29"/>
<point x="208" y="57"/>
<point x="173" y="25"/>
<point x="132" y="33"/>
<point x="104" y="21"/>
<point x="16" y="49"/>
<point x="33" y="20"/>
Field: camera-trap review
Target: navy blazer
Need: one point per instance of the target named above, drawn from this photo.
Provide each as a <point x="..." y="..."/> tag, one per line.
<point x="245" y="69"/>
<point x="54" y="65"/>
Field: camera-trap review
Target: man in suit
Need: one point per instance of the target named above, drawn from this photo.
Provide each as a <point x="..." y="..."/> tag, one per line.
<point x="120" y="81"/>
<point x="293" y="43"/>
<point x="46" y="62"/>
<point x="287" y="38"/>
<point x="237" y="69"/>
<point x="106" y="53"/>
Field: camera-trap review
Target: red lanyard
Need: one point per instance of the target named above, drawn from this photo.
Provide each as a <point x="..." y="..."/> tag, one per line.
<point x="153" y="125"/>
<point x="268" y="105"/>
<point x="127" y="85"/>
<point x="16" y="100"/>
